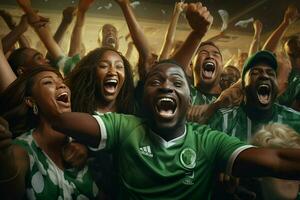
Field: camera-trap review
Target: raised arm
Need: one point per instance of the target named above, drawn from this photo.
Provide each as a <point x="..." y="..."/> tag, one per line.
<point x="7" y="76"/>
<point x="14" y="164"/>
<point x="42" y="29"/>
<point x="76" y="38"/>
<point x="200" y="20"/>
<point x="16" y="33"/>
<point x="138" y="37"/>
<point x="254" y="46"/>
<point x="170" y="35"/>
<point x="280" y="163"/>
<point x="290" y="15"/>
<point x="80" y="126"/>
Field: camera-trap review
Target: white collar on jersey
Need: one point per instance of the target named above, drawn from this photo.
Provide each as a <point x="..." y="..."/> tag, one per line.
<point x="170" y="143"/>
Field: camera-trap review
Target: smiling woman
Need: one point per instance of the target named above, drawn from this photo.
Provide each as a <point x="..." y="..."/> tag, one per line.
<point x="32" y="101"/>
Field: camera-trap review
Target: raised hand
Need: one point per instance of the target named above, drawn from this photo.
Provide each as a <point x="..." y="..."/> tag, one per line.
<point x="180" y="7"/>
<point x="69" y="13"/>
<point x="198" y="17"/>
<point x="23" y="22"/>
<point x="123" y="1"/>
<point x="84" y="5"/>
<point x="24" y="4"/>
<point x="230" y="97"/>
<point x="291" y="14"/>
<point x="257" y="25"/>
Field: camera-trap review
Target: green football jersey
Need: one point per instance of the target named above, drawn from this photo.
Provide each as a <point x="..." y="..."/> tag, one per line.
<point x="292" y="91"/>
<point x="199" y="98"/>
<point x="45" y="181"/>
<point x="235" y="121"/>
<point x="151" y="168"/>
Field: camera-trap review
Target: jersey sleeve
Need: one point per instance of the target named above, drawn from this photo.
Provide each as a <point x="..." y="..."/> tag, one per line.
<point x="222" y="149"/>
<point x="66" y="64"/>
<point x="292" y="91"/>
<point x="114" y="128"/>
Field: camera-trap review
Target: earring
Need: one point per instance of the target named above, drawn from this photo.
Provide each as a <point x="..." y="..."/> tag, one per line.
<point x="35" y="109"/>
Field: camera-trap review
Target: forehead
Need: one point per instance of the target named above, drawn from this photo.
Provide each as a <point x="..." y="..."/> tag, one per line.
<point x="109" y="54"/>
<point x="108" y="27"/>
<point x="208" y="47"/>
<point x="47" y="74"/>
<point x="166" y="69"/>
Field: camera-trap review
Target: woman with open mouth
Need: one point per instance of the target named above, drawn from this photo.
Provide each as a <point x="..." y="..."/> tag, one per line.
<point x="102" y="82"/>
<point x="33" y="163"/>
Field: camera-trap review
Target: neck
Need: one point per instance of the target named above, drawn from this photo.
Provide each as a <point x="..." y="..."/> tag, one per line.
<point x="105" y="107"/>
<point x="209" y="89"/>
<point x="50" y="141"/>
<point x="169" y="134"/>
<point x="257" y="114"/>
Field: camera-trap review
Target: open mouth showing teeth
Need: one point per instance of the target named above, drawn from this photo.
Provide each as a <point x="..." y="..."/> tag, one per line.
<point x="208" y="69"/>
<point x="63" y="97"/>
<point x="111" y="41"/>
<point x="166" y="107"/>
<point x="110" y="85"/>
<point x="264" y="94"/>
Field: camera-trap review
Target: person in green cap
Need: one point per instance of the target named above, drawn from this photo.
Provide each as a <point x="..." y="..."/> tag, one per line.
<point x="260" y="88"/>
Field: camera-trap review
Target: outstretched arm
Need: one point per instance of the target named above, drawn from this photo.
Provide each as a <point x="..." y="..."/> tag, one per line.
<point x="80" y="126"/>
<point x="16" y="33"/>
<point x="138" y="37"/>
<point x="254" y="46"/>
<point x="7" y="76"/>
<point x="76" y="38"/>
<point x="280" y="163"/>
<point x="41" y="29"/>
<point x="200" y="20"/>
<point x="170" y="35"/>
<point x="290" y="15"/>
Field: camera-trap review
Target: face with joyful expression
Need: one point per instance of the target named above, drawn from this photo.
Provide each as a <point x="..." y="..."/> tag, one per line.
<point x="166" y="97"/>
<point x="208" y="67"/>
<point x="50" y="94"/>
<point x="111" y="75"/>
<point x="260" y="85"/>
<point x="110" y="36"/>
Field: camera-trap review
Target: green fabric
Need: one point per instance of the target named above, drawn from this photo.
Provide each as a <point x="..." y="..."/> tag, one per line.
<point x="151" y="168"/>
<point x="199" y="98"/>
<point x="292" y="91"/>
<point x="235" y="122"/>
<point x="66" y="64"/>
<point x="45" y="181"/>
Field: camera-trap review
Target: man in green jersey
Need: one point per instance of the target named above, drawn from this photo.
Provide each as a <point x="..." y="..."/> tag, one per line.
<point x="207" y="71"/>
<point x="259" y="107"/>
<point x="164" y="157"/>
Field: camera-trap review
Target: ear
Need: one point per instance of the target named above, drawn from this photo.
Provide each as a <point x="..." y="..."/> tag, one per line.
<point x="29" y="101"/>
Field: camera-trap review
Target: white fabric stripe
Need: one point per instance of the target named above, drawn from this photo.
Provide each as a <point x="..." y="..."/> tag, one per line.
<point x="233" y="156"/>
<point x="225" y="122"/>
<point x="103" y="140"/>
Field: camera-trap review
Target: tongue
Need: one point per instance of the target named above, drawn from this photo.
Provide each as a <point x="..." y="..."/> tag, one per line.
<point x="263" y="98"/>
<point x="208" y="74"/>
<point x="110" y="89"/>
<point x="166" y="113"/>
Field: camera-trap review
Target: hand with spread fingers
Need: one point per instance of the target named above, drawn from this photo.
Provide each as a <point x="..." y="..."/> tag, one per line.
<point x="291" y="14"/>
<point x="69" y="13"/>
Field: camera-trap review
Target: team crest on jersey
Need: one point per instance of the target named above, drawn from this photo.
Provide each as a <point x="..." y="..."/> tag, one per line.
<point x="188" y="158"/>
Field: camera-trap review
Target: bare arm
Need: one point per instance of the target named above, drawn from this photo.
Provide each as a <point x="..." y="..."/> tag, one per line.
<point x="15" y="35"/>
<point x="290" y="15"/>
<point x="81" y="126"/>
<point x="129" y="50"/>
<point x="200" y="20"/>
<point x="76" y="38"/>
<point x="138" y="37"/>
<point x="281" y="163"/>
<point x="14" y="165"/>
<point x="7" y="76"/>
<point x="41" y="29"/>
<point x="170" y="35"/>
<point x="254" y="46"/>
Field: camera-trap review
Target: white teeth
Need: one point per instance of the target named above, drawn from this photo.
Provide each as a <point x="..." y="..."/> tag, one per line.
<point x="62" y="94"/>
<point x="209" y="63"/>
<point x="111" y="81"/>
<point x="166" y="99"/>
